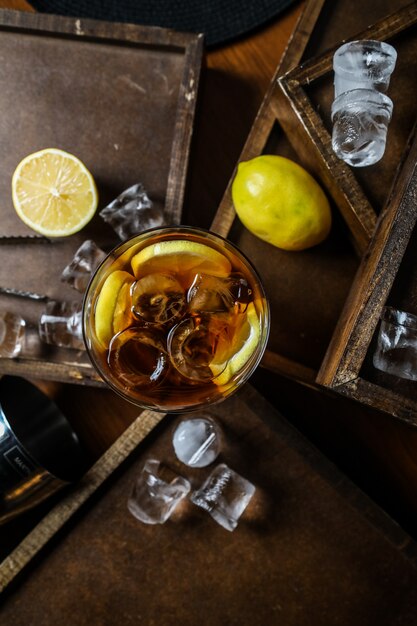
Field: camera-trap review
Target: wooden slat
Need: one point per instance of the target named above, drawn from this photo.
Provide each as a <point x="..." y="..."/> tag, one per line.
<point x="374" y="280"/>
<point x="126" y="133"/>
<point x="76" y="497"/>
<point x="308" y="135"/>
<point x="265" y="118"/>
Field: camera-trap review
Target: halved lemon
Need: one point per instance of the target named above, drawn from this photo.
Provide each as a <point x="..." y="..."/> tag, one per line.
<point x="113" y="306"/>
<point x="245" y="341"/>
<point x="180" y="255"/>
<point x="54" y="193"/>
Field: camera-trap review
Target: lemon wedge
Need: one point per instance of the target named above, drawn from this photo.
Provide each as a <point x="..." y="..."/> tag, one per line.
<point x="246" y="340"/>
<point x="113" y="306"/>
<point x="180" y="255"/>
<point x="54" y="193"/>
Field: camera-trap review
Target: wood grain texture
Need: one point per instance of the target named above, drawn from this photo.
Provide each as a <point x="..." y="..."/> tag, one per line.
<point x="308" y="135"/>
<point x="76" y="496"/>
<point x="307" y="132"/>
<point x="129" y="118"/>
<point x="370" y="290"/>
<point x="377" y="452"/>
<point x="309" y="547"/>
<point x="266" y="117"/>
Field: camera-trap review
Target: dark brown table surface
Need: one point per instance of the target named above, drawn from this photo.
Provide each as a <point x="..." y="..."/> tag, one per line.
<point x="310" y="549"/>
<point x="377" y="452"/>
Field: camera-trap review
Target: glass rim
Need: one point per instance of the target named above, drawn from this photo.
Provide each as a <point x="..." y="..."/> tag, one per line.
<point x="253" y="361"/>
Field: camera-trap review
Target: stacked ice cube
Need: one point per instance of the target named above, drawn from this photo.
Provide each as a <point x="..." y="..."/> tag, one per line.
<point x="361" y="111"/>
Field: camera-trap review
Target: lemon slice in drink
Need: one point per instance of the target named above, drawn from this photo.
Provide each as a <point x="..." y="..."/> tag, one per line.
<point x="180" y="255"/>
<point x="113" y="306"/>
<point x="246" y="340"/>
<point x="54" y="193"/>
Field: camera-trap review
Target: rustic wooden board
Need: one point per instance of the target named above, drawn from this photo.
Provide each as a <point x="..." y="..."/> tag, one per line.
<point x="310" y="548"/>
<point x="24" y="542"/>
<point x="308" y="290"/>
<point x="34" y="530"/>
<point x="304" y="102"/>
<point x="122" y="98"/>
<point x="386" y="275"/>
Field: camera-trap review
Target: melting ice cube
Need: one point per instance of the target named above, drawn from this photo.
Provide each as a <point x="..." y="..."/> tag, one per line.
<point x="156" y="493"/>
<point x="12" y="334"/>
<point x="225" y="495"/>
<point x="86" y="259"/>
<point x="196" y="441"/>
<point x="132" y="212"/>
<point x="61" y="325"/>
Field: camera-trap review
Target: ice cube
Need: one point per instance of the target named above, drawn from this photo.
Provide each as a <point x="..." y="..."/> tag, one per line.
<point x="192" y="345"/>
<point x="132" y="212"/>
<point x="225" y="495"/>
<point x="12" y="334"/>
<point x="216" y="294"/>
<point x="137" y="357"/>
<point x="156" y="493"/>
<point x="360" y="123"/>
<point x="78" y="272"/>
<point x="364" y="64"/>
<point x="196" y="441"/>
<point x="396" y="350"/>
<point x="157" y="298"/>
<point x="61" y="324"/>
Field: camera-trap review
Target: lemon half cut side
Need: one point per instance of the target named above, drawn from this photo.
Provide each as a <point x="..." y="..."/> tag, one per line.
<point x="54" y="193"/>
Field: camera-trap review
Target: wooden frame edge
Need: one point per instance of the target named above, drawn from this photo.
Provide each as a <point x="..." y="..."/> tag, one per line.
<point x="374" y="279"/>
<point x="181" y="145"/>
<point x="256" y="140"/>
<point x="305" y="128"/>
<point x="14" y="563"/>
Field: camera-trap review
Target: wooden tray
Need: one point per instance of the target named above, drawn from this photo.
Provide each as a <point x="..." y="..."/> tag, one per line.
<point x="122" y="98"/>
<point x="307" y="95"/>
<point x="307" y="290"/>
<point x="387" y="275"/>
<point x="29" y="534"/>
<point x="309" y="550"/>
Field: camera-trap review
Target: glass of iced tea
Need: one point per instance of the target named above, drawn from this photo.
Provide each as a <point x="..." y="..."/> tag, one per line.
<point x="175" y="319"/>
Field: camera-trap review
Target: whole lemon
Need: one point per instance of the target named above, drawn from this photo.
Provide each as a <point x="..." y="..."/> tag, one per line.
<point x="281" y="203"/>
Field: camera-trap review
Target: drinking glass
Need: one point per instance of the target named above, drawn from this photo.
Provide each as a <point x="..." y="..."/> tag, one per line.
<point x="175" y="319"/>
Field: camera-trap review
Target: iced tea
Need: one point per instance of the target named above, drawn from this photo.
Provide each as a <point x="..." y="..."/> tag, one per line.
<point x="175" y="318"/>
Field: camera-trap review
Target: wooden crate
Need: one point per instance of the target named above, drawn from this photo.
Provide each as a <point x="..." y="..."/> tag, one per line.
<point x="347" y="365"/>
<point x="308" y="289"/>
<point x="122" y="98"/>
<point x="308" y="124"/>
<point x="387" y="275"/>
<point x="32" y="532"/>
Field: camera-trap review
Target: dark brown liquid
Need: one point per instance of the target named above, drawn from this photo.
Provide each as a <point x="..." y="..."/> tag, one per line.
<point x="177" y="321"/>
